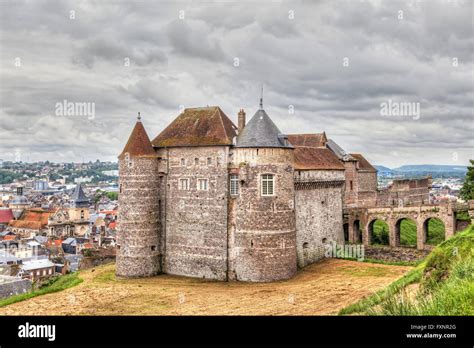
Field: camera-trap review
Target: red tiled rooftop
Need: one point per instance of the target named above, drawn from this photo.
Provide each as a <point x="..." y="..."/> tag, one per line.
<point x="311" y="140"/>
<point x="138" y="144"/>
<point x="198" y="127"/>
<point x="6" y="215"/>
<point x="32" y="219"/>
<point x="308" y="158"/>
<point x="363" y="163"/>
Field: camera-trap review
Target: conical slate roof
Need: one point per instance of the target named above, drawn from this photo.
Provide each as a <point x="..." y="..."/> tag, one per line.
<point x="260" y="131"/>
<point x="138" y="144"/>
<point x="78" y="197"/>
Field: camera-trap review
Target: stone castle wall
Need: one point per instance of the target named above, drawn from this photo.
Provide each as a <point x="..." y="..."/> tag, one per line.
<point x="138" y="251"/>
<point x="405" y="192"/>
<point x="352" y="183"/>
<point x="318" y="206"/>
<point x="367" y="181"/>
<point x="196" y="220"/>
<point x="262" y="232"/>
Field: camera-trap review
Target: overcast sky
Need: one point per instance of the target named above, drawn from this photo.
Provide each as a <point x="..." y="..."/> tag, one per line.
<point x="332" y="62"/>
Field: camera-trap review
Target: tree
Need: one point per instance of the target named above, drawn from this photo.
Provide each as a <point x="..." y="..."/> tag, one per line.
<point x="467" y="190"/>
<point x="113" y="196"/>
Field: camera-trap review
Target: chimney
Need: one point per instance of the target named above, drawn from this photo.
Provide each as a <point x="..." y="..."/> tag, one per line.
<point x="241" y="120"/>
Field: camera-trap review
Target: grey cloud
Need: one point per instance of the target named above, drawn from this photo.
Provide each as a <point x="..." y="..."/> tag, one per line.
<point x="190" y="62"/>
<point x="192" y="40"/>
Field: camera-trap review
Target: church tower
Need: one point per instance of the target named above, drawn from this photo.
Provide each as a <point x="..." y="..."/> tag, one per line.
<point x="138" y="251"/>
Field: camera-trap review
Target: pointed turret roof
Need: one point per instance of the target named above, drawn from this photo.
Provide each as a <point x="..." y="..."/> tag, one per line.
<point x="203" y="126"/>
<point x="138" y="144"/>
<point x="260" y="131"/>
<point x="78" y="198"/>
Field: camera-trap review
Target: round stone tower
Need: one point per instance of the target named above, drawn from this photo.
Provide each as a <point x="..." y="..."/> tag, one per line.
<point x="264" y="244"/>
<point x="138" y="250"/>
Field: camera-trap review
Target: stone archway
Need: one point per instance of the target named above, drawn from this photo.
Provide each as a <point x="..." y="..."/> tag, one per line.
<point x="406" y="233"/>
<point x="434" y="231"/>
<point x="378" y="232"/>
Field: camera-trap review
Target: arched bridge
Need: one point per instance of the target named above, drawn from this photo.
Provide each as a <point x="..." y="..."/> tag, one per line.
<point x="359" y="222"/>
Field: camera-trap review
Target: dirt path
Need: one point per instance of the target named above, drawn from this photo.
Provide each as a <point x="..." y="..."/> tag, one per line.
<point x="322" y="288"/>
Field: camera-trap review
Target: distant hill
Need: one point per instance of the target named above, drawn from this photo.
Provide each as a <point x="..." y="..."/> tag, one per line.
<point x="430" y="167"/>
<point x="418" y="170"/>
<point x="383" y="169"/>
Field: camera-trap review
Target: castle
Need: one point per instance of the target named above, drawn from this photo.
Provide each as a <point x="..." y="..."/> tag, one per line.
<point x="209" y="199"/>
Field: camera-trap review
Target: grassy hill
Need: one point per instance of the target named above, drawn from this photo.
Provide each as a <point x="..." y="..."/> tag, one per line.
<point x="408" y="232"/>
<point x="443" y="284"/>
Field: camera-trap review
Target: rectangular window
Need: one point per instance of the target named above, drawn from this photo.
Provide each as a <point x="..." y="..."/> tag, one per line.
<point x="196" y="161"/>
<point x="351" y="184"/>
<point x="234" y="184"/>
<point x="202" y="184"/>
<point x="209" y="161"/>
<point x="268" y="184"/>
<point x="184" y="184"/>
<point x="183" y="162"/>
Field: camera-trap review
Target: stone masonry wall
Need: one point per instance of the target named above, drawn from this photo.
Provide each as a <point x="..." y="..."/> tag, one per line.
<point x="405" y="193"/>
<point x="138" y="252"/>
<point x="367" y="181"/>
<point x="350" y="194"/>
<point x="318" y="208"/>
<point x="196" y="220"/>
<point x="10" y="286"/>
<point x="262" y="228"/>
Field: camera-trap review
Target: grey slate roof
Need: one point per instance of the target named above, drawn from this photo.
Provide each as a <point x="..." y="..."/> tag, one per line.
<point x="71" y="241"/>
<point x="79" y="198"/>
<point x="260" y="131"/>
<point x="339" y="151"/>
<point x="37" y="264"/>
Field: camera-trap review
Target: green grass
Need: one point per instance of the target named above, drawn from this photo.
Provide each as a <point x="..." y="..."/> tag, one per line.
<point x="435" y="232"/>
<point x="446" y="279"/>
<point x="365" y="272"/>
<point x="408" y="232"/>
<point x="385" y="262"/>
<point x="56" y="284"/>
<point x="463" y="216"/>
<point x="380" y="233"/>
